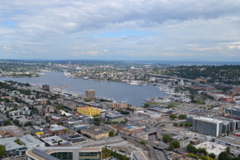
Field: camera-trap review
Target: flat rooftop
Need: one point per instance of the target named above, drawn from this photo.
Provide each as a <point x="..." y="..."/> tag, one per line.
<point x="212" y="147"/>
<point x="10" y="144"/>
<point x="230" y="139"/>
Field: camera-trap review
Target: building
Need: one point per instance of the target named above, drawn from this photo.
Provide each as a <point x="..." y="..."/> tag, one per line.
<point x="56" y="129"/>
<point x="206" y="125"/>
<point x="66" y="153"/>
<point x="11" y="131"/>
<point x="89" y="111"/>
<point x="45" y="87"/>
<point x="54" y="141"/>
<point x="114" y="118"/>
<point x="213" y="126"/>
<point x="96" y="132"/>
<point x="30" y="142"/>
<point x="37" y="130"/>
<point x="113" y="105"/>
<point x="13" y="148"/>
<point x="234" y="112"/>
<point x="90" y="94"/>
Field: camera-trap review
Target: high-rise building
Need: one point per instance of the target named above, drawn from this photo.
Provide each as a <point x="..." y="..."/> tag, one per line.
<point x="206" y="125"/>
<point x="91" y="94"/>
<point x="213" y="126"/>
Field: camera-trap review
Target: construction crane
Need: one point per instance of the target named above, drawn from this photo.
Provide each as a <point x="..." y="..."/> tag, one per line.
<point x="61" y="87"/>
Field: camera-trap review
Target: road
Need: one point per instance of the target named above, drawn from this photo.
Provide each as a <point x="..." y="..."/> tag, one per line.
<point x="152" y="147"/>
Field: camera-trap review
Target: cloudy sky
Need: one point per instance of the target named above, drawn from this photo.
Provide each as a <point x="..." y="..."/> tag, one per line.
<point x="206" y="30"/>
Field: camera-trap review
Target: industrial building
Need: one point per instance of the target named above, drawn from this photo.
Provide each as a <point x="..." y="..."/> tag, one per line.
<point x="67" y="153"/>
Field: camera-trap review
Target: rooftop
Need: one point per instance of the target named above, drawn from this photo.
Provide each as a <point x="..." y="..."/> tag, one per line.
<point x="10" y="144"/>
<point x="29" y="140"/>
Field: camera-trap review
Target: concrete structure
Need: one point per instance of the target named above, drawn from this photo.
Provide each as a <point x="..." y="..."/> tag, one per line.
<point x="89" y="111"/>
<point x="66" y="153"/>
<point x="212" y="147"/>
<point x="90" y="94"/>
<point x="138" y="155"/>
<point x="95" y="132"/>
<point x="12" y="148"/>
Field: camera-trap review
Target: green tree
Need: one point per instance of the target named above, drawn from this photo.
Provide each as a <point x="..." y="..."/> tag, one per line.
<point x="7" y="122"/>
<point x="16" y="122"/>
<point x="146" y="105"/>
<point x="111" y="133"/>
<point x="228" y="150"/>
<point x="173" y="116"/>
<point x="171" y="147"/>
<point x="2" y="150"/>
<point x="175" y="124"/>
<point x="166" y="138"/>
<point x="224" y="156"/>
<point x="212" y="155"/>
<point x="142" y="142"/>
<point x="176" y="144"/>
<point x="182" y="116"/>
<point x="192" y="148"/>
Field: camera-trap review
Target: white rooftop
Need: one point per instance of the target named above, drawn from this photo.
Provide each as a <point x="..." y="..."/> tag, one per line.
<point x="212" y="147"/>
<point x="29" y="140"/>
<point x="10" y="144"/>
<point x="207" y="119"/>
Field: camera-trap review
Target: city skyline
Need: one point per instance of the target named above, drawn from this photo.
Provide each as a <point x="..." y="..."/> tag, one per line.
<point x="120" y="30"/>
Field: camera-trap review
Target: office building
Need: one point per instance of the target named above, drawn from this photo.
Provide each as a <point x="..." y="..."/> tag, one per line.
<point x="205" y="125"/>
<point x="234" y="112"/>
<point x="90" y="94"/>
<point x="64" y="153"/>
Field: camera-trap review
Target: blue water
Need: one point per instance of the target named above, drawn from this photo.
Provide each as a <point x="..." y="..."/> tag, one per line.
<point x="134" y="95"/>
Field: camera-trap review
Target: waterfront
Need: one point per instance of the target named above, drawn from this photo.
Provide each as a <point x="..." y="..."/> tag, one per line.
<point x="134" y="95"/>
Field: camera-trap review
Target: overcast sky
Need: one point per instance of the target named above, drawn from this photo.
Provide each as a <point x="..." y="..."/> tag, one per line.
<point x="206" y="30"/>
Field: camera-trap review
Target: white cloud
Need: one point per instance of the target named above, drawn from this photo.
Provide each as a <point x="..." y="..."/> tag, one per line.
<point x="171" y="28"/>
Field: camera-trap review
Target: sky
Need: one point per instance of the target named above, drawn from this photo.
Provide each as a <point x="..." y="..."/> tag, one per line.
<point x="178" y="30"/>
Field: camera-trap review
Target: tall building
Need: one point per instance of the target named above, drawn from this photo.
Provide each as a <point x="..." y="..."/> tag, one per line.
<point x="64" y="153"/>
<point x="90" y="93"/>
<point x="213" y="126"/>
<point x="205" y="125"/>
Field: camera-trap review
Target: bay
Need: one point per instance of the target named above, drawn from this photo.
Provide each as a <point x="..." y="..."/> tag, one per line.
<point x="134" y="95"/>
